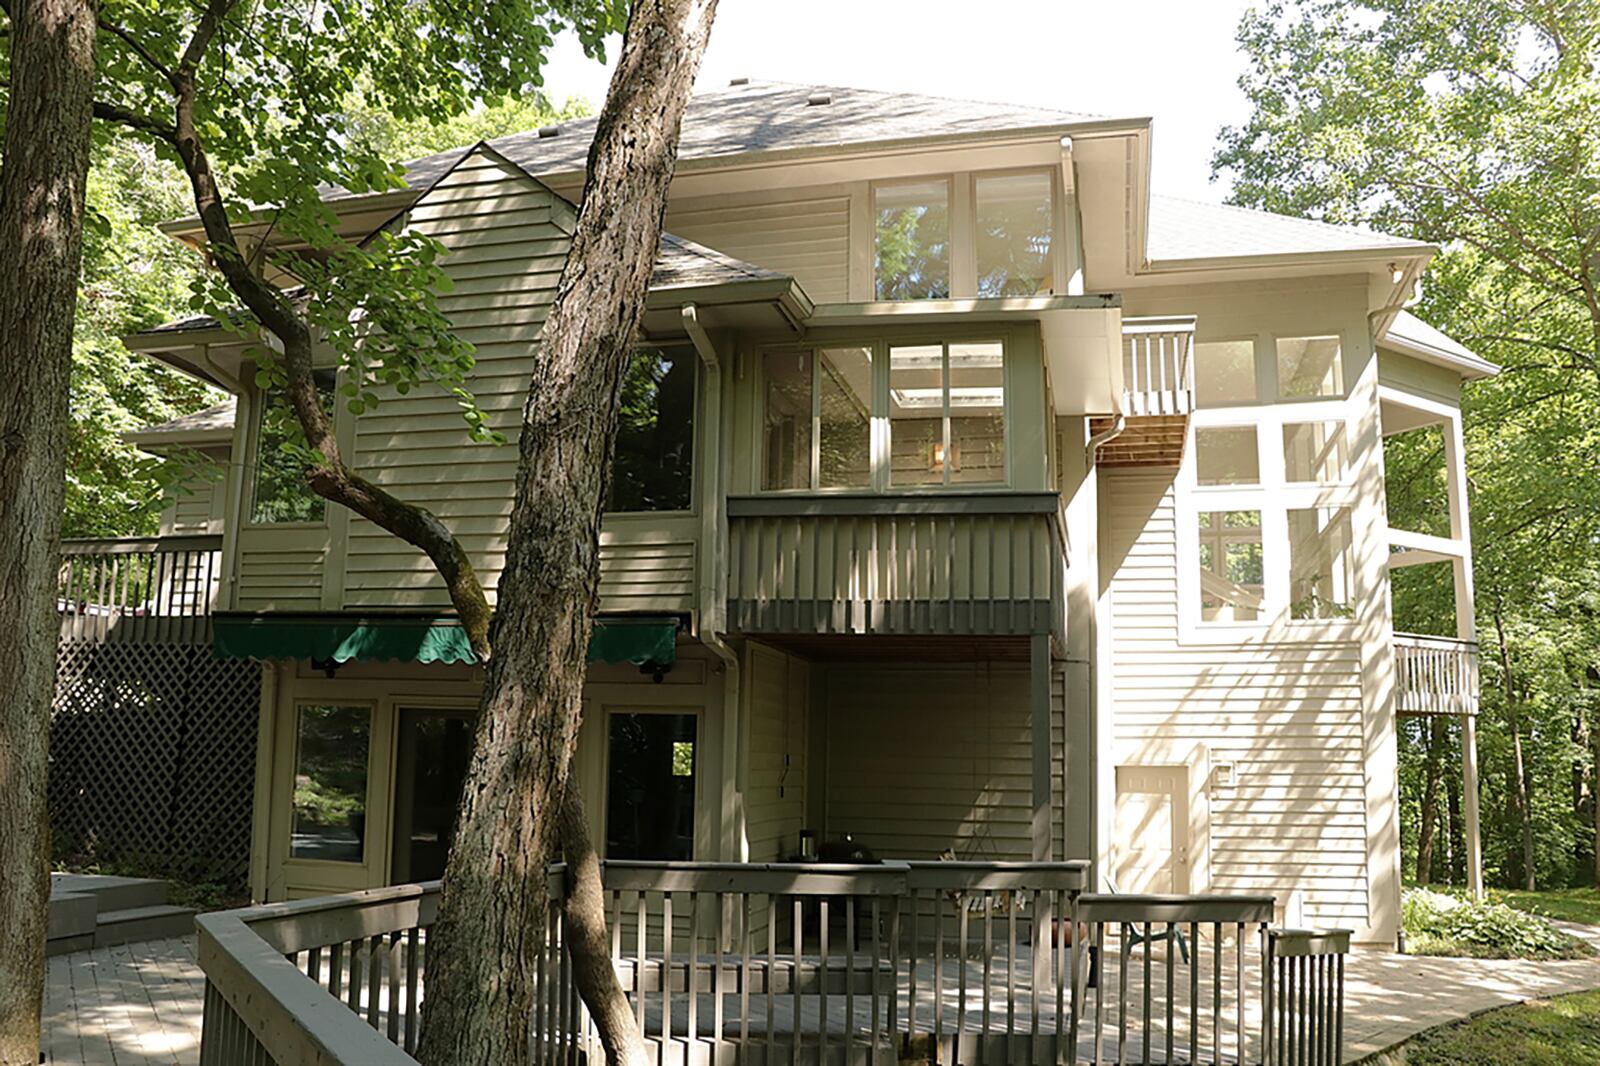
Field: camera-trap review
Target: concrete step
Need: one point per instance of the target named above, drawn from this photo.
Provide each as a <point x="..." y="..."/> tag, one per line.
<point x="112" y="893"/>
<point x="130" y="924"/>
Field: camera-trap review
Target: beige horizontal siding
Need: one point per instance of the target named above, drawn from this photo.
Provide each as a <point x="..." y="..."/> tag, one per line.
<point x="922" y="758"/>
<point x="271" y="580"/>
<point x="1288" y="717"/>
<point x="508" y="237"/>
<point x="808" y="238"/>
<point x="778" y="688"/>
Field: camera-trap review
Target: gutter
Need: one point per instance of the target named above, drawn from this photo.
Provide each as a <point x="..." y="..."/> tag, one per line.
<point x="1104" y="437"/>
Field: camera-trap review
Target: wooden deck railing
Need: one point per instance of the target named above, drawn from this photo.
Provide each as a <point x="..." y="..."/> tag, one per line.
<point x="762" y="964"/>
<point x="160" y="588"/>
<point x="1158" y="366"/>
<point x="983" y="564"/>
<point x="1435" y="675"/>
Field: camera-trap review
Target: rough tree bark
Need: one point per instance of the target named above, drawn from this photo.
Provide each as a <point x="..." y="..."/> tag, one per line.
<point x="492" y="914"/>
<point x="42" y="179"/>
<point x="1427" y="833"/>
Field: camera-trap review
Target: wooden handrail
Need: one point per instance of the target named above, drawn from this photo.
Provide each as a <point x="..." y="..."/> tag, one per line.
<point x="141" y="545"/>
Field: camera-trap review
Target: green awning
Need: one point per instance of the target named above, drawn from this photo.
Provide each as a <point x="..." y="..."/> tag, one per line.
<point x="344" y="638"/>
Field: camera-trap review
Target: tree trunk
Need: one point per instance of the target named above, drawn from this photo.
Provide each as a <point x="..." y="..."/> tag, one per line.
<point x="42" y="179"/>
<point x="1594" y="810"/>
<point x="492" y="914"/>
<point x="1519" y="771"/>
<point x="1454" y="836"/>
<point x="1438" y="738"/>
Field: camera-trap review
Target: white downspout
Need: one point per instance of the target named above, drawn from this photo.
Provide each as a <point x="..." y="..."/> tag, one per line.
<point x="712" y="596"/>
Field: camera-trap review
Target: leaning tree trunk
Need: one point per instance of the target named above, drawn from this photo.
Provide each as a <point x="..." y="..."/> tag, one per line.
<point x="516" y="805"/>
<point x="42" y="178"/>
<point x="1438" y="733"/>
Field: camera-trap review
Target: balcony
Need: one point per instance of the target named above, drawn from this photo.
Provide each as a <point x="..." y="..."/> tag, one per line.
<point x="1435" y="675"/>
<point x="138" y="588"/>
<point x="978" y="565"/>
<point x="1157" y="395"/>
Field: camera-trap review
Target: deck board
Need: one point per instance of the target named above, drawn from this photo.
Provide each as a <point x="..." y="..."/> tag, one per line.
<point x="129" y="1005"/>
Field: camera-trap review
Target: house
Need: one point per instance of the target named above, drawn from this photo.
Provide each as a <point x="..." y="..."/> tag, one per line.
<point x="969" y="499"/>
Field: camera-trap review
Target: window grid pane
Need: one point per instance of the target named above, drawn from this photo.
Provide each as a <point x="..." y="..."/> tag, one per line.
<point x="1321" y="567"/>
<point x="652" y="469"/>
<point x="912" y="240"/>
<point x="1232" y="568"/>
<point x="786" y="429"/>
<point x="845" y="418"/>
<point x="916" y="415"/>
<point x="1315" y="452"/>
<point x="1309" y="367"/>
<point x="330" y="783"/>
<point x="1227" y="455"/>
<point x="977" y="413"/>
<point x="1013" y="230"/>
<point x="1224" y="373"/>
<point x="278" y="492"/>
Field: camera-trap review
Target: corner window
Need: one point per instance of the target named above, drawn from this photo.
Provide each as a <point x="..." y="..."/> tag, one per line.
<point x="817" y="419"/>
<point x="653" y="467"/>
<point x="1013" y="230"/>
<point x="330" y="783"/>
<point x="650" y="786"/>
<point x="1315" y="452"/>
<point x="912" y="240"/>
<point x="1309" y="367"/>
<point x="947" y="414"/>
<point x="278" y="492"/>
<point x="1226" y="455"/>
<point x="1232" y="566"/>
<point x="1224" y="373"/>
<point x="1320" y="563"/>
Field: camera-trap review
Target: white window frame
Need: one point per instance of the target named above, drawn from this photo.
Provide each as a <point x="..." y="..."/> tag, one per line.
<point x="1273" y="496"/>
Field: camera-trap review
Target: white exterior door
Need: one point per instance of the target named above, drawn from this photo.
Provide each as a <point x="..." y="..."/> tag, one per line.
<point x="1150" y="848"/>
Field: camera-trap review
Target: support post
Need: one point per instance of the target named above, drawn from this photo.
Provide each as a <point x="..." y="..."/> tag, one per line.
<point x="1469" y="804"/>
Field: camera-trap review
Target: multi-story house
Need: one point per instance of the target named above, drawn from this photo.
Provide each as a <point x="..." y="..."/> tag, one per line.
<point x="969" y="500"/>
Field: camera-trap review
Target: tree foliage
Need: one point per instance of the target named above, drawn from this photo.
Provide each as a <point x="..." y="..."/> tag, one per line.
<point x="1476" y="127"/>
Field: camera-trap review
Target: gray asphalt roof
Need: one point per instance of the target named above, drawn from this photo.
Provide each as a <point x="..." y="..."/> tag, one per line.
<point x="1188" y="229"/>
<point x="218" y="419"/>
<point x="765" y="115"/>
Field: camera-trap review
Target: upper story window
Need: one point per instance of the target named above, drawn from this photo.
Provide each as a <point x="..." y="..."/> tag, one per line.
<point x="279" y="494"/>
<point x="1231" y="373"/>
<point x="1013" y="233"/>
<point x="912" y="230"/>
<point x="941" y="407"/>
<point x="1224" y="373"/>
<point x="653" y="466"/>
<point x="1309" y="367"/>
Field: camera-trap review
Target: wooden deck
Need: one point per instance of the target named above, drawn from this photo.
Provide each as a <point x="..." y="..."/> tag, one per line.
<point x="130" y="1005"/>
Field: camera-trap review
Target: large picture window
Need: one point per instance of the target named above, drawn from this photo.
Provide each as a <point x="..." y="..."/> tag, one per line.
<point x="653" y="468"/>
<point x="817" y="419"/>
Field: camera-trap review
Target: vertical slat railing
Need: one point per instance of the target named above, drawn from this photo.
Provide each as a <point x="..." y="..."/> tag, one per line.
<point x="160" y="588"/>
<point x="1158" y="366"/>
<point x="1304" y="997"/>
<point x="1435" y="675"/>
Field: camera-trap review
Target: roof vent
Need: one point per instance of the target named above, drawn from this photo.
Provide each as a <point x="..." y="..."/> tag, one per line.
<point x="548" y="131"/>
<point x="817" y="99"/>
<point x="738" y="81"/>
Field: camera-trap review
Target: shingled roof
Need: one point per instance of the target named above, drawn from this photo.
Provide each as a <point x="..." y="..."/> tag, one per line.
<point x="213" y="423"/>
<point x="1188" y="229"/>
<point x="756" y="116"/>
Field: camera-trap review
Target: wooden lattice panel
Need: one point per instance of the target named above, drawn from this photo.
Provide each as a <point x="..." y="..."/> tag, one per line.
<point x="152" y="758"/>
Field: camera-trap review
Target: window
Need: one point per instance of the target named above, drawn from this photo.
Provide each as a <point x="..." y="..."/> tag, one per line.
<point x="650" y="784"/>
<point x="1232" y="567"/>
<point x="912" y="240"/>
<point x="652" y="469"/>
<point x="1226" y="455"/>
<point x="330" y="783"/>
<point x="279" y="493"/>
<point x="1309" y="367"/>
<point x="1224" y="373"/>
<point x="1013" y="227"/>
<point x="1315" y="451"/>
<point x="818" y="412"/>
<point x="947" y="414"/>
<point x="1320" y="564"/>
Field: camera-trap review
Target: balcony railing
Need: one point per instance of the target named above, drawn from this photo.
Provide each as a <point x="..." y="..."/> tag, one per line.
<point x="1158" y="366"/>
<point x="988" y="564"/>
<point x="1435" y="675"/>
<point x="138" y="588"/>
<point x="948" y="962"/>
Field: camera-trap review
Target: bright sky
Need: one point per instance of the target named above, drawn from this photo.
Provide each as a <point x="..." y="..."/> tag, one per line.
<point x="1173" y="60"/>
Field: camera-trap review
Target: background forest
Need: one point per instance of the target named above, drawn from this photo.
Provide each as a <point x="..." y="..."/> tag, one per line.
<point x="1477" y="128"/>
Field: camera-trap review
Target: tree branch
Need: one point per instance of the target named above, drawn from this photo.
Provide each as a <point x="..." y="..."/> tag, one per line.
<point x="140" y="50"/>
<point x="123" y="116"/>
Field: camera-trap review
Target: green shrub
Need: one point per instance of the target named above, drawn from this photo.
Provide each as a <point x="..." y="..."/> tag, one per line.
<point x="1437" y="924"/>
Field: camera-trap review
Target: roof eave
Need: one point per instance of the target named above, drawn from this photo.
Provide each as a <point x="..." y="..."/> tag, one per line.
<point x="1470" y="367"/>
<point x="1339" y="257"/>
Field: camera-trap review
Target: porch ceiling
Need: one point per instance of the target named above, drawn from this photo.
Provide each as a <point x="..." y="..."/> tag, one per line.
<point x="838" y="647"/>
